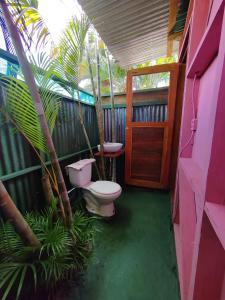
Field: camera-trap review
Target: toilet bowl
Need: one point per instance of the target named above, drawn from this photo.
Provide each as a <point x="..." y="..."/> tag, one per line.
<point x="98" y="195"/>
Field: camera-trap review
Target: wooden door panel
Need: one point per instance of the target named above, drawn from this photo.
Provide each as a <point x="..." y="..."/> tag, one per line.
<point x="146" y="155"/>
<point x="148" y="144"/>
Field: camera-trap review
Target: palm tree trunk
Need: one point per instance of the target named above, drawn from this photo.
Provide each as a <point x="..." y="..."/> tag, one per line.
<point x="13" y="215"/>
<point x="99" y="111"/>
<point x="112" y="114"/>
<point x="29" y="78"/>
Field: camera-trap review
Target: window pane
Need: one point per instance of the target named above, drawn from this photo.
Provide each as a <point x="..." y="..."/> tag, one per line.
<point x="150" y="97"/>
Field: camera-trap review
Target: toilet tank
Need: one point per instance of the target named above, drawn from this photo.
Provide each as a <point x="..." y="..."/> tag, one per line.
<point x="80" y="172"/>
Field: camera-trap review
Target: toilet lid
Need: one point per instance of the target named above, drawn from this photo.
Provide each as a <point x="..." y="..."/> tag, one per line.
<point x="105" y="187"/>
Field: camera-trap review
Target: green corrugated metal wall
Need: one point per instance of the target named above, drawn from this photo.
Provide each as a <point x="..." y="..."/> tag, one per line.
<point x="19" y="166"/>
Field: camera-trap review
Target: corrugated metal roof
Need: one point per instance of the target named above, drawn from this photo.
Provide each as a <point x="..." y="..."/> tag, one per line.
<point x="135" y="31"/>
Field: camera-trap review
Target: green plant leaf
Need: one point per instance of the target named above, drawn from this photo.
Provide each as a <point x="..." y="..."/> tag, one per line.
<point x="19" y="104"/>
<point x="71" y="49"/>
<point x="29" y="21"/>
<point x="21" y="281"/>
<point x="11" y="283"/>
<point x="58" y="258"/>
<point x="20" y="107"/>
<point x="34" y="275"/>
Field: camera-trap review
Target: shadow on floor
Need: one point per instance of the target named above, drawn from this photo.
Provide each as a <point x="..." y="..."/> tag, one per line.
<point x="134" y="252"/>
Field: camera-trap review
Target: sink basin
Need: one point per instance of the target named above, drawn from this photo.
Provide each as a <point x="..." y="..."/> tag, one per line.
<point x="111" y="147"/>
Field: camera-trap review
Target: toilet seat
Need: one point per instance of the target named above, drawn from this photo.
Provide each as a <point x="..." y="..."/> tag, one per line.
<point x="105" y="189"/>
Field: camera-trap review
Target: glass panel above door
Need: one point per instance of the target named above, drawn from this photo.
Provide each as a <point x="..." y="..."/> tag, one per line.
<point x="150" y="97"/>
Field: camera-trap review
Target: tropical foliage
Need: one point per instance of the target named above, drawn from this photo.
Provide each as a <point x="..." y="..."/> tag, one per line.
<point x="62" y="253"/>
<point x="19" y="108"/>
<point x="69" y="57"/>
<point x="8" y="42"/>
<point x="71" y="50"/>
<point x="118" y="73"/>
<point x="63" y="244"/>
<point x="10" y="212"/>
<point x="30" y="22"/>
<point x="152" y="80"/>
<point x="38" y="104"/>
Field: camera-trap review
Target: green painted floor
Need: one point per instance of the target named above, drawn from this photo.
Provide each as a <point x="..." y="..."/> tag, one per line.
<point x="135" y="254"/>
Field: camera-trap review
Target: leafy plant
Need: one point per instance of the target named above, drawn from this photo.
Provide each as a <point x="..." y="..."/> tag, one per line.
<point x="71" y="50"/>
<point x="19" y="108"/>
<point x="7" y="39"/>
<point x="29" y="21"/>
<point x="69" y="57"/>
<point x="19" y="104"/>
<point x="62" y="253"/>
<point x="30" y="81"/>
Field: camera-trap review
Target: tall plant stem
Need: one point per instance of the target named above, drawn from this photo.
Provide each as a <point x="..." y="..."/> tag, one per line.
<point x="13" y="215"/>
<point x="100" y="115"/>
<point x="85" y="133"/>
<point x="46" y="183"/>
<point x="98" y="109"/>
<point x="47" y="188"/>
<point x="47" y="178"/>
<point x="113" y="114"/>
<point x="40" y="157"/>
<point x="29" y="78"/>
<point x="112" y="99"/>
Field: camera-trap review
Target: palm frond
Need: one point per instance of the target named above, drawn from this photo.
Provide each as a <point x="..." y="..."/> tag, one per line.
<point x="14" y="274"/>
<point x="8" y="42"/>
<point x="11" y="244"/>
<point x="29" y="21"/>
<point x="19" y="104"/>
<point x="35" y="24"/>
<point x="44" y="70"/>
<point x="71" y="49"/>
<point x="61" y="253"/>
<point x="20" y="107"/>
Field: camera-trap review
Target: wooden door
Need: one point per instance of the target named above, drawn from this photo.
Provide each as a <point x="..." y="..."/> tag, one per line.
<point x="148" y="144"/>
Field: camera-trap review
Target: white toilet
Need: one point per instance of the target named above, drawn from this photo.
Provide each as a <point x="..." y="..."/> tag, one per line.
<point x="99" y="195"/>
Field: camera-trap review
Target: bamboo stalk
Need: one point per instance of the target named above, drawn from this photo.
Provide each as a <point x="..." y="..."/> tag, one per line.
<point x="13" y="215"/>
<point x="85" y="134"/>
<point x="47" y="188"/>
<point x="96" y="105"/>
<point x="99" y="113"/>
<point x="46" y="183"/>
<point x="30" y="81"/>
<point x="112" y="99"/>
<point x="112" y="114"/>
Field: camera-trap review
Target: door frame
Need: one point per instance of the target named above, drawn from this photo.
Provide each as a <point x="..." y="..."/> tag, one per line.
<point x="168" y="125"/>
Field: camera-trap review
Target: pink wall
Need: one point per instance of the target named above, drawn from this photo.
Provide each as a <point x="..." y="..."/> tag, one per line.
<point x="205" y="118"/>
<point x="214" y="9"/>
<point x="186" y="232"/>
<point x="199" y="204"/>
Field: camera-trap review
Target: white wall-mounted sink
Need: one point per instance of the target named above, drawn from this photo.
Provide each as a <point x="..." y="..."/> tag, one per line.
<point x="111" y="147"/>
